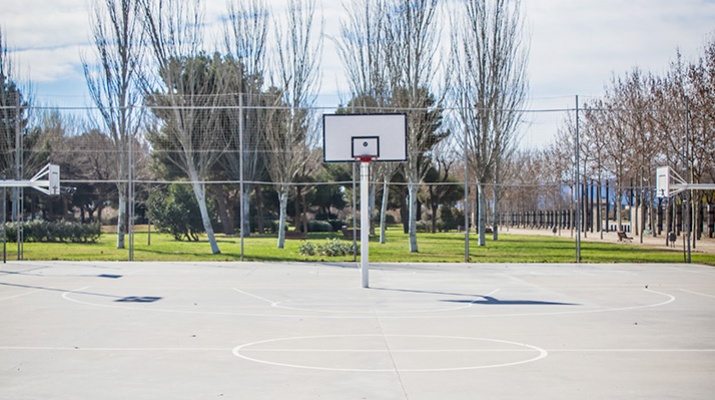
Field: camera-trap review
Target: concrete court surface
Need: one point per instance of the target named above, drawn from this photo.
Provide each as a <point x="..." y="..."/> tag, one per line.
<point x="118" y="330"/>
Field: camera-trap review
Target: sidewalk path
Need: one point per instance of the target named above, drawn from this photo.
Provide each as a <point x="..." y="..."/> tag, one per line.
<point x="705" y="245"/>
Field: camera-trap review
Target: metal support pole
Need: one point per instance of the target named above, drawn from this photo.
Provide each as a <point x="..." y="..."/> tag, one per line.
<point x="578" y="181"/>
<point x="354" y="214"/>
<point x="689" y="160"/>
<point x="364" y="222"/>
<point x="466" y="194"/>
<point x="4" y="223"/>
<point x="240" y="167"/>
<point x="19" y="193"/>
<point x="130" y="195"/>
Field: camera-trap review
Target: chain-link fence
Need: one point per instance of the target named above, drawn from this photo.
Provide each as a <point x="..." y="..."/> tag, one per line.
<point x="248" y="165"/>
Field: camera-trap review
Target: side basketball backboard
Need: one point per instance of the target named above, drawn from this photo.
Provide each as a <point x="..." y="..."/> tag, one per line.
<point x="382" y="137"/>
<point x="662" y="182"/>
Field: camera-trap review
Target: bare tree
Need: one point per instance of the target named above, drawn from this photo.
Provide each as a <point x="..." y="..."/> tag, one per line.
<point x="15" y="104"/>
<point x="562" y="154"/>
<point x="185" y="99"/>
<point x="296" y="77"/>
<point x="701" y="108"/>
<point x="362" y="49"/>
<point x="245" y="37"/>
<point x="637" y="103"/>
<point x="13" y="107"/>
<point x="112" y="82"/>
<point x="490" y="58"/>
<point x="411" y="46"/>
<point x="593" y="141"/>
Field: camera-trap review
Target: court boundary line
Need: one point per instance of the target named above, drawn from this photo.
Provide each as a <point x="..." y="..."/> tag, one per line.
<point x="237" y="351"/>
<point x="671" y="298"/>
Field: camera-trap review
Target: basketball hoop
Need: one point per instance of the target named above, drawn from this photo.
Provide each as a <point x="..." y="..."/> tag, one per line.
<point x="365" y="159"/>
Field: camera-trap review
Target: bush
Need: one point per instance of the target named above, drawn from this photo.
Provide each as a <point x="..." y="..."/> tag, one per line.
<point x="59" y="231"/>
<point x="331" y="248"/>
<point x="337" y="224"/>
<point x="177" y="212"/>
<point x="450" y="218"/>
<point x="307" y="249"/>
<point x="318" y="226"/>
<point x="389" y="218"/>
<point x="423" y="226"/>
<point x="272" y="225"/>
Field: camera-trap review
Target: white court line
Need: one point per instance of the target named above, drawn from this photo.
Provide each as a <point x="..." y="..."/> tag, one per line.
<point x="255" y="296"/>
<point x="20" y="295"/>
<point x="128" y="349"/>
<point x="526" y="348"/>
<point x="670" y="299"/>
<point x="66" y="296"/>
<point x="387" y="351"/>
<point x="697" y="293"/>
<point x="306" y="306"/>
<point x="306" y="350"/>
<point x="632" y="351"/>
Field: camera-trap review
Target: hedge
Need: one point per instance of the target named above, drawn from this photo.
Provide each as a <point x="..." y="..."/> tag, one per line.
<point x="59" y="231"/>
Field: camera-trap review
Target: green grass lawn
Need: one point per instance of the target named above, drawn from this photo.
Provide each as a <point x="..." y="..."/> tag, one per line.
<point x="433" y="248"/>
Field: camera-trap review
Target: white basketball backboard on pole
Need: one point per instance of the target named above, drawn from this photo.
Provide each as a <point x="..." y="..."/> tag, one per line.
<point x="347" y="137"/>
<point x="668" y="183"/>
<point x="50" y="185"/>
<point x="662" y="182"/>
<point x="364" y="138"/>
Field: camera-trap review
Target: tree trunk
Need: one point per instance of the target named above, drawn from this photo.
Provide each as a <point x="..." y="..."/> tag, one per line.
<point x="495" y="215"/>
<point x="404" y="212"/>
<point x="412" y="198"/>
<point x="283" y="199"/>
<point x="482" y="214"/>
<point x="297" y="220"/>
<point x="383" y="210"/>
<point x="260" y="221"/>
<point x="246" y="204"/>
<point x="619" y="207"/>
<point x="121" y="215"/>
<point x="642" y="213"/>
<point x="223" y="214"/>
<point x="200" y="193"/>
<point x="371" y="207"/>
<point x="305" y="212"/>
<point x="599" y="212"/>
<point x="434" y="208"/>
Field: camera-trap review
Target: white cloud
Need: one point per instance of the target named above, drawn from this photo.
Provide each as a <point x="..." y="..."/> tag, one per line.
<point x="45" y="23"/>
<point x="51" y="65"/>
<point x="576" y="46"/>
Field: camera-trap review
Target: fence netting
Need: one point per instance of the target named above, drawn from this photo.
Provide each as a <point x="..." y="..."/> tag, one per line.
<point x="240" y="162"/>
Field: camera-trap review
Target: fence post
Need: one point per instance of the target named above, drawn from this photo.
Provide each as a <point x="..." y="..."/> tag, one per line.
<point x="240" y="167"/>
<point x="466" y="194"/>
<point x="578" y="194"/>
<point x="18" y="203"/>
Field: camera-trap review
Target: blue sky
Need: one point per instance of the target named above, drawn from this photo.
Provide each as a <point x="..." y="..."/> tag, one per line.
<point x="576" y="45"/>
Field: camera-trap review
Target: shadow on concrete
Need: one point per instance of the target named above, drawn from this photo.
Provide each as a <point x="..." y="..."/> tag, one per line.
<point x="138" y="299"/>
<point x="480" y="299"/>
<point x="488" y="300"/>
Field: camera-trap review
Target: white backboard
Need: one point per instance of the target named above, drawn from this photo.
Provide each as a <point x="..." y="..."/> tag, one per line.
<point x="54" y="179"/>
<point x="662" y="182"/>
<point x="382" y="137"/>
